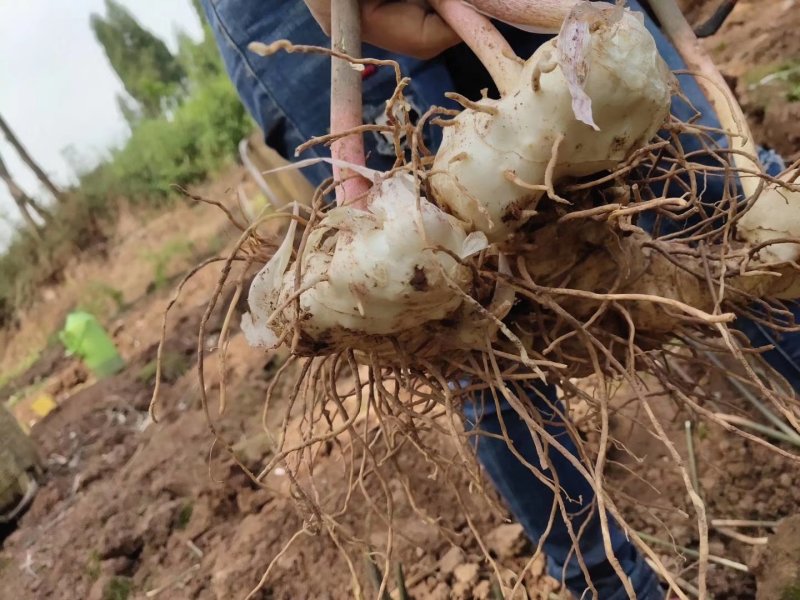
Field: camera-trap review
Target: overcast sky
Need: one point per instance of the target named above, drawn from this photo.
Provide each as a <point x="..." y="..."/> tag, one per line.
<point x="57" y="90"/>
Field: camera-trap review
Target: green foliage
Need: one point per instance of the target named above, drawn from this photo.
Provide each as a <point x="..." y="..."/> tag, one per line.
<point x="101" y="299"/>
<point x="162" y="152"/>
<point x="129" y="110"/>
<point x="197" y="136"/>
<point x="173" y="365"/>
<point x="163" y="258"/>
<point x="765" y="81"/>
<point x="198" y="8"/>
<point x="184" y="516"/>
<point x="119" y="588"/>
<point x="200" y="60"/>
<point x="791" y="593"/>
<point x="93" y="566"/>
<point x="28" y="263"/>
<point x="402" y="592"/>
<point x="144" y="64"/>
<point x="7" y="376"/>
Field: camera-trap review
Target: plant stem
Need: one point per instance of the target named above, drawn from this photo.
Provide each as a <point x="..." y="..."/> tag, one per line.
<point x="743" y="523"/>
<point x="714" y="86"/>
<point x="758" y="404"/>
<point x="692" y="459"/>
<point x="375" y="576"/>
<point x="484" y="40"/>
<point x="402" y="592"/>
<point x="740" y="537"/>
<point x="720" y="560"/>
<point x="346" y="107"/>
<point x="678" y="580"/>
<point x="769" y="431"/>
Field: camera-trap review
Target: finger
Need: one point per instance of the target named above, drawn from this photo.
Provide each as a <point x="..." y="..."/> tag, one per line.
<point x="406" y="28"/>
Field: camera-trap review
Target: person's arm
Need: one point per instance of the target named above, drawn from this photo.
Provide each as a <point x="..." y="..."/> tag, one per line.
<point x="409" y="27"/>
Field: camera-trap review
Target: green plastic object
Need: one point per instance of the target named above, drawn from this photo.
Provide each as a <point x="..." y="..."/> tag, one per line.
<point x="84" y="336"/>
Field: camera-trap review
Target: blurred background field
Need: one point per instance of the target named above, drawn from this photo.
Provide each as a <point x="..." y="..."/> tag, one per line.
<point x="126" y="507"/>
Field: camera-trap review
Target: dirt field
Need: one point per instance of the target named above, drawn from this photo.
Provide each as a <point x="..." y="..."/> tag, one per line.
<point x="134" y="509"/>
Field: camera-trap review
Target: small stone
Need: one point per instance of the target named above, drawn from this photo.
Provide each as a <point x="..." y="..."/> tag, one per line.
<point x="420" y="533"/>
<point x="482" y="590"/>
<point x="681" y="532"/>
<point x="509" y="577"/>
<point x="537" y="566"/>
<point x="120" y="541"/>
<point x="710" y="481"/>
<point x="440" y="592"/>
<point x="738" y="469"/>
<point x="251" y="501"/>
<point x="506" y="541"/>
<point x="778" y="571"/>
<point x="551" y="586"/>
<point x="120" y="565"/>
<point x="98" y="589"/>
<point x="785" y="480"/>
<point x="200" y="520"/>
<point x="466" y="573"/>
<point x="287" y="561"/>
<point x="451" y="559"/>
<point x="460" y="591"/>
<point x="716" y="547"/>
<point x="377" y="539"/>
<point x="419" y="590"/>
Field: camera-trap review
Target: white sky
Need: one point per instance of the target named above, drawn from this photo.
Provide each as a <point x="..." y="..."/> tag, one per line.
<point x="57" y="90"/>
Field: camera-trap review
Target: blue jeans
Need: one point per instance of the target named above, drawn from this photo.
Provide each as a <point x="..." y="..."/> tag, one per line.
<point x="531" y="500"/>
<point x="289" y="97"/>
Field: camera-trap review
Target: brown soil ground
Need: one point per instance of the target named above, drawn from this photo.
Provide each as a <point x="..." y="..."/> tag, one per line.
<point x="134" y="509"/>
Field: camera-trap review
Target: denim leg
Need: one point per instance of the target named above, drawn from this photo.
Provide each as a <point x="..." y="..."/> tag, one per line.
<point x="531" y="501"/>
<point x="785" y="356"/>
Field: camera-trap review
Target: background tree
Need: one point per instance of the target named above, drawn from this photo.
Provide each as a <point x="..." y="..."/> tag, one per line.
<point x="144" y="64"/>
<point x="28" y="160"/>
<point x="130" y="110"/>
<point x="201" y="60"/>
<point x="24" y="203"/>
<point x="201" y="14"/>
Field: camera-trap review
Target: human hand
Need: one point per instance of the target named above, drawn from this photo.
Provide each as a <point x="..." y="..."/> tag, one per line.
<point x="408" y="27"/>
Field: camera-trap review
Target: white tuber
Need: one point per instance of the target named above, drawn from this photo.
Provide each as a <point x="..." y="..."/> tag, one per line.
<point x="774" y="215"/>
<point x="498" y="159"/>
<point x="382" y="271"/>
